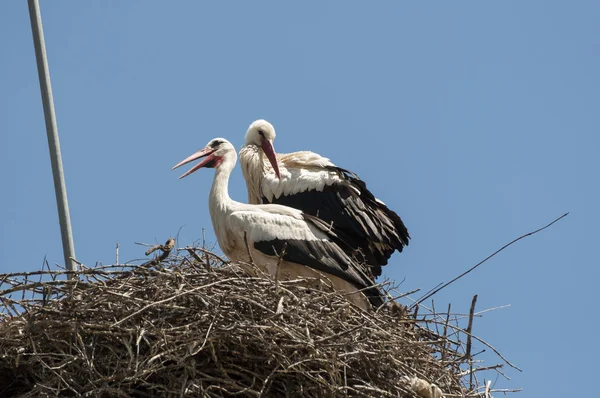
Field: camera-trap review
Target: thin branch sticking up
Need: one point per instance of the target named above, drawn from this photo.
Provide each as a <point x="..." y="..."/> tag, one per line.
<point x="468" y="355"/>
<point x="204" y="245"/>
<point x="446" y="332"/>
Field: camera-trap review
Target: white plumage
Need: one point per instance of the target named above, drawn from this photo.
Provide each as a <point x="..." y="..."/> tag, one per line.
<point x="312" y="248"/>
<point x="312" y="183"/>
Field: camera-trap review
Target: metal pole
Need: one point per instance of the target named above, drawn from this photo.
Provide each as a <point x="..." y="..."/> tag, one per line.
<point x="52" y="132"/>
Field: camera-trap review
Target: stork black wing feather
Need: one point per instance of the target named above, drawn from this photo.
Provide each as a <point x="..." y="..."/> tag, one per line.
<point x="371" y="230"/>
<point x="323" y="256"/>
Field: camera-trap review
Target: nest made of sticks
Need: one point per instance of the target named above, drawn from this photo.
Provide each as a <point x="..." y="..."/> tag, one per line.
<point x="198" y="326"/>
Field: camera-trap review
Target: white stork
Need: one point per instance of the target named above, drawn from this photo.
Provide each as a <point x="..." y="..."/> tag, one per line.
<point x="311" y="246"/>
<point x="311" y="183"/>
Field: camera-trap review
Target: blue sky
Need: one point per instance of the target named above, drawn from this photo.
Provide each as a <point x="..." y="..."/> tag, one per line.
<point x="476" y="122"/>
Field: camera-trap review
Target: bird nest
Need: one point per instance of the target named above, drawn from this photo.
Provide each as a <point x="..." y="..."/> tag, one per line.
<point x="196" y="325"/>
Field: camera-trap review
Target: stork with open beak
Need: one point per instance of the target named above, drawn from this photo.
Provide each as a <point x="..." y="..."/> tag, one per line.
<point x="311" y="248"/>
<point x="311" y="183"/>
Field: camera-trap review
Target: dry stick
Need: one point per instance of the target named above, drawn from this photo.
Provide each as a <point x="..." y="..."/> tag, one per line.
<point x="505" y="390"/>
<point x="487" y="258"/>
<point x="478" y="313"/>
<point x="492" y="367"/>
<point x="97" y="270"/>
<point x="437" y="330"/>
<point x="206" y="263"/>
<point x="166" y="250"/>
<point x="468" y="352"/>
<point x="82" y="266"/>
<point x="169" y="244"/>
<point x="447" y="342"/>
<point x="205" y="337"/>
<point x="394" y="298"/>
<point x="415" y="313"/>
<point x="171" y="298"/>
<point x="33" y="285"/>
<point x="41" y="277"/>
<point x="394" y="305"/>
<point x="470" y="327"/>
<point x="204" y="245"/>
<point x="487" y="345"/>
<point x="206" y="252"/>
<point x="427" y="295"/>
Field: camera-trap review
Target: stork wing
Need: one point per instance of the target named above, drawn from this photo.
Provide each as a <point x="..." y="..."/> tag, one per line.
<point x="314" y="185"/>
<point x="307" y="241"/>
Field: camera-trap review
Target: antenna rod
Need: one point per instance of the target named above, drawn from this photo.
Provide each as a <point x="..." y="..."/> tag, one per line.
<point x="52" y="132"/>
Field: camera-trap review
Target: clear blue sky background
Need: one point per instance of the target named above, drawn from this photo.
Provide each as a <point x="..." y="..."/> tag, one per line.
<point x="476" y="122"/>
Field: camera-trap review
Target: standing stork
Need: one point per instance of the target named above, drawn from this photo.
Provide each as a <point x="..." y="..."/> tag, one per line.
<point x="278" y="239"/>
<point x="311" y="183"/>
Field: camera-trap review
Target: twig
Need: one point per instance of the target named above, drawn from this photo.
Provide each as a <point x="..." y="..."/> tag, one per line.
<point x="204" y="245"/>
<point x="82" y="265"/>
<point x="468" y="351"/>
<point x="493" y="367"/>
<point x="206" y="252"/>
<point x="156" y="303"/>
<point x="205" y="262"/>
<point x="487" y="258"/>
<point x="393" y="298"/>
<point x="427" y="295"/>
<point x="143" y="244"/>
<point x="470" y="327"/>
<point x="167" y="246"/>
<point x="166" y="250"/>
<point x="490" y="346"/>
<point x="478" y="313"/>
<point x="446" y="333"/>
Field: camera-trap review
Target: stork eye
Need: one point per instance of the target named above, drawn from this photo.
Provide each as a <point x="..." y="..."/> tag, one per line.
<point x="216" y="143"/>
<point x="262" y="133"/>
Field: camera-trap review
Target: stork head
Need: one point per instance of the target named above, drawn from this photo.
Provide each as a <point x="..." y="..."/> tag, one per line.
<point x="262" y="134"/>
<point x="214" y="153"/>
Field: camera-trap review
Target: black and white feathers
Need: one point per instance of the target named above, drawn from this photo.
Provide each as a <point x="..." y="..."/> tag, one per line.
<point x="311" y="247"/>
<point x="311" y="183"/>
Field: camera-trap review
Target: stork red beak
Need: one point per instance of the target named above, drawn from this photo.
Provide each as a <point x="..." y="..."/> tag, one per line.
<point x="208" y="162"/>
<point x="267" y="148"/>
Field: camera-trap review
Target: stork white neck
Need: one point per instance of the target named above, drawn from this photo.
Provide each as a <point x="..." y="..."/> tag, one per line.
<point x="219" y="200"/>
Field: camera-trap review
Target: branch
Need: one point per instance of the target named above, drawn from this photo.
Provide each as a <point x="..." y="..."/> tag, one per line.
<point x="205" y="262"/>
<point x="206" y="252"/>
<point x="468" y="355"/>
<point x="487" y="258"/>
<point x="166" y="250"/>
